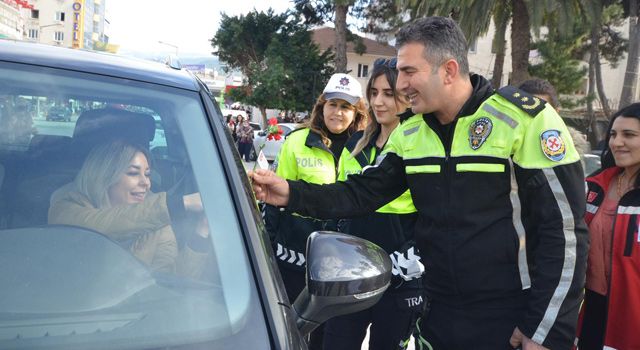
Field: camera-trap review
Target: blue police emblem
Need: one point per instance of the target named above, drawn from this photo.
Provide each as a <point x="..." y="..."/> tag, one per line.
<point x="479" y="131"/>
<point x="553" y="146"/>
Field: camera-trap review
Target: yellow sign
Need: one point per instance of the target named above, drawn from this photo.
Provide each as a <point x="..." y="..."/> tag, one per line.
<point x="78" y="24"/>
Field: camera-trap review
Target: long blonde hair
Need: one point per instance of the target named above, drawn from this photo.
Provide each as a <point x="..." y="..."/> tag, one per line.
<point x="103" y="168"/>
<point x="373" y="126"/>
<point x="316" y="122"/>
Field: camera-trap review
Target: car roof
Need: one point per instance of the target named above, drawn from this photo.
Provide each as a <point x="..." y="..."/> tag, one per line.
<point x="95" y="62"/>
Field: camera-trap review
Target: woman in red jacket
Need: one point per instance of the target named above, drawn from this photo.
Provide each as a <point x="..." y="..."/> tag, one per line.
<point x="611" y="309"/>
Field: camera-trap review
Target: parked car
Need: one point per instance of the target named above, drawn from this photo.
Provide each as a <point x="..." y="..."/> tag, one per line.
<point x="59" y="114"/>
<point x="271" y="147"/>
<point x="74" y="287"/>
<point x="591" y="162"/>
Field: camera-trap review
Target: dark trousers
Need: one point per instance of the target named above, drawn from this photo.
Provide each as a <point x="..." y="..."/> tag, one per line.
<point x="593" y="321"/>
<point x="462" y="328"/>
<point x="294" y="283"/>
<point x="245" y="150"/>
<point x="391" y="319"/>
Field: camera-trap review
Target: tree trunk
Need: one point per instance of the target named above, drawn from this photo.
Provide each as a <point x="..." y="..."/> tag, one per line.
<point x="263" y="111"/>
<point x="520" y="41"/>
<point x="595" y="41"/>
<point x="499" y="44"/>
<point x="341" y="38"/>
<point x="630" y="85"/>
<point x="595" y="134"/>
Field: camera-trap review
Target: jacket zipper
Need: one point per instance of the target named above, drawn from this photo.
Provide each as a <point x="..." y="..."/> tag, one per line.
<point x="447" y="144"/>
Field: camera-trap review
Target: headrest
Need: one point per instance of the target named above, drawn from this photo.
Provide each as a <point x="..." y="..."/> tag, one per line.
<point x="98" y="126"/>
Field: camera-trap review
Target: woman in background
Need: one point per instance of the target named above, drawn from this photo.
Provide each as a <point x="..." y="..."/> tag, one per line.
<point x="610" y="314"/>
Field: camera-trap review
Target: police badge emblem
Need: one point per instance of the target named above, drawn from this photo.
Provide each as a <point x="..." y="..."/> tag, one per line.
<point x="479" y="131"/>
<point x="553" y="146"/>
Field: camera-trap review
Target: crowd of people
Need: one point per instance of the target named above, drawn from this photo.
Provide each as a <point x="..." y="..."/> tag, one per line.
<point x="484" y="188"/>
<point x="242" y="133"/>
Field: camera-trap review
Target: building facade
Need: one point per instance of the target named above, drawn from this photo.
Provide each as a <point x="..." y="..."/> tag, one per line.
<point x="70" y="23"/>
<point x="11" y="22"/>
<point x="482" y="59"/>
<point x="359" y="66"/>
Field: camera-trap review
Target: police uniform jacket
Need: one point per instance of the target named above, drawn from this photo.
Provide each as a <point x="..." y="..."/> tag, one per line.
<point x="391" y="226"/>
<point x="623" y="302"/>
<point x="303" y="156"/>
<point x="500" y="197"/>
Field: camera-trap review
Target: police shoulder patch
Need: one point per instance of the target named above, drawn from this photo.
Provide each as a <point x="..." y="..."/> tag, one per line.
<point x="552" y="144"/>
<point x="523" y="100"/>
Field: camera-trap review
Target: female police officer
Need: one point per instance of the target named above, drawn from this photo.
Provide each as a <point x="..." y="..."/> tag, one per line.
<point x="390" y="227"/>
<point x="311" y="154"/>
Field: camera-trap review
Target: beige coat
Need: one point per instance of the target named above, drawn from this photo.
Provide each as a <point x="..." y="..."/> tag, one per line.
<point x="144" y="228"/>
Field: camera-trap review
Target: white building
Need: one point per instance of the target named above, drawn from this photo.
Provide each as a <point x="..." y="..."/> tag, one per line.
<point x="481" y="61"/>
<point x="69" y="23"/>
<point x="11" y="22"/>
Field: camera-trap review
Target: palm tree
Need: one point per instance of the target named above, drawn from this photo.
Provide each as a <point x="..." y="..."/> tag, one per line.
<point x="501" y="17"/>
<point x="629" y="86"/>
<point x="474" y="17"/>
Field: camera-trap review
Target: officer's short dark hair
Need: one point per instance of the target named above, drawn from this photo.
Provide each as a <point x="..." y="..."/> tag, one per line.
<point x="442" y="38"/>
<point x="537" y="86"/>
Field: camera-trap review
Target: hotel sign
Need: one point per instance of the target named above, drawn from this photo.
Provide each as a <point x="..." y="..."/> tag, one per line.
<point x="78" y="28"/>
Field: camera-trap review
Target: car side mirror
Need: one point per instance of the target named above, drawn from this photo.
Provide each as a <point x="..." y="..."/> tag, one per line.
<point x="345" y="274"/>
<point x="262" y="133"/>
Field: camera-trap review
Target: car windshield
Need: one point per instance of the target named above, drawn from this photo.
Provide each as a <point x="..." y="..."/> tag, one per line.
<point x="83" y="269"/>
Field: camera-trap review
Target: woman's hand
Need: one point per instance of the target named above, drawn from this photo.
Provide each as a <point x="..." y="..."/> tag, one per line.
<point x="269" y="187"/>
<point x="193" y="202"/>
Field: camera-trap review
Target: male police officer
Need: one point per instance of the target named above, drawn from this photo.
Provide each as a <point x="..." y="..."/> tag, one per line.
<point x="499" y="190"/>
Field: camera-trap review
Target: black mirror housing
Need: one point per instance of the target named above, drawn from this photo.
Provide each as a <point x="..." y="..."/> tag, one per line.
<point x="345" y="274"/>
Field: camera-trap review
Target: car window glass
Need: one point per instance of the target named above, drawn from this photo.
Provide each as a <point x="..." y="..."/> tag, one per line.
<point x="87" y="262"/>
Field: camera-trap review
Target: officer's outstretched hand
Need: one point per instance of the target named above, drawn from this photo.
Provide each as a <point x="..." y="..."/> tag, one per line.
<point x="270" y="188"/>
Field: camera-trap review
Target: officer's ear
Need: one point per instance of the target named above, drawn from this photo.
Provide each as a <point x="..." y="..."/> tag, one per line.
<point x="451" y="70"/>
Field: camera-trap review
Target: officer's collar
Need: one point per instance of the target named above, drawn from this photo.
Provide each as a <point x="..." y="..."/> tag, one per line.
<point x="315" y="140"/>
<point x="482" y="90"/>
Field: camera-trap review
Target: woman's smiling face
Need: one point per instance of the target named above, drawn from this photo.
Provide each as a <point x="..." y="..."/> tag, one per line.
<point x="338" y="115"/>
<point x="134" y="183"/>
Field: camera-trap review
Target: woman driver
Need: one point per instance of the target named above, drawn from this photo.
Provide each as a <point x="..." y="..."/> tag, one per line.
<point x="111" y="194"/>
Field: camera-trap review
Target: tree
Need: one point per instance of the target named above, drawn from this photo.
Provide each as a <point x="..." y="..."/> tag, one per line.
<point x="633" y="59"/>
<point x="501" y="16"/>
<point x="474" y="18"/>
<point x="277" y="56"/>
<point x="320" y="11"/>
<point x="560" y="63"/>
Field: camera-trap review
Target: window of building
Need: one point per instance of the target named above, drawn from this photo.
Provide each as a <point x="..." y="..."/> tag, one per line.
<point x="60" y="16"/>
<point x="58" y="36"/>
<point x="35" y="13"/>
<point x="33" y="34"/>
<point x="363" y="70"/>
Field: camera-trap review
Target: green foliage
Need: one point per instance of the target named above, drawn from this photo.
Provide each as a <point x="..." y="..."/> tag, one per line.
<point x="560" y="51"/>
<point x="284" y="69"/>
<point x="558" y="66"/>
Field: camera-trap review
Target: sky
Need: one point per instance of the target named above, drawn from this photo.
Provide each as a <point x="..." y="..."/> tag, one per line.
<point x="139" y="25"/>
